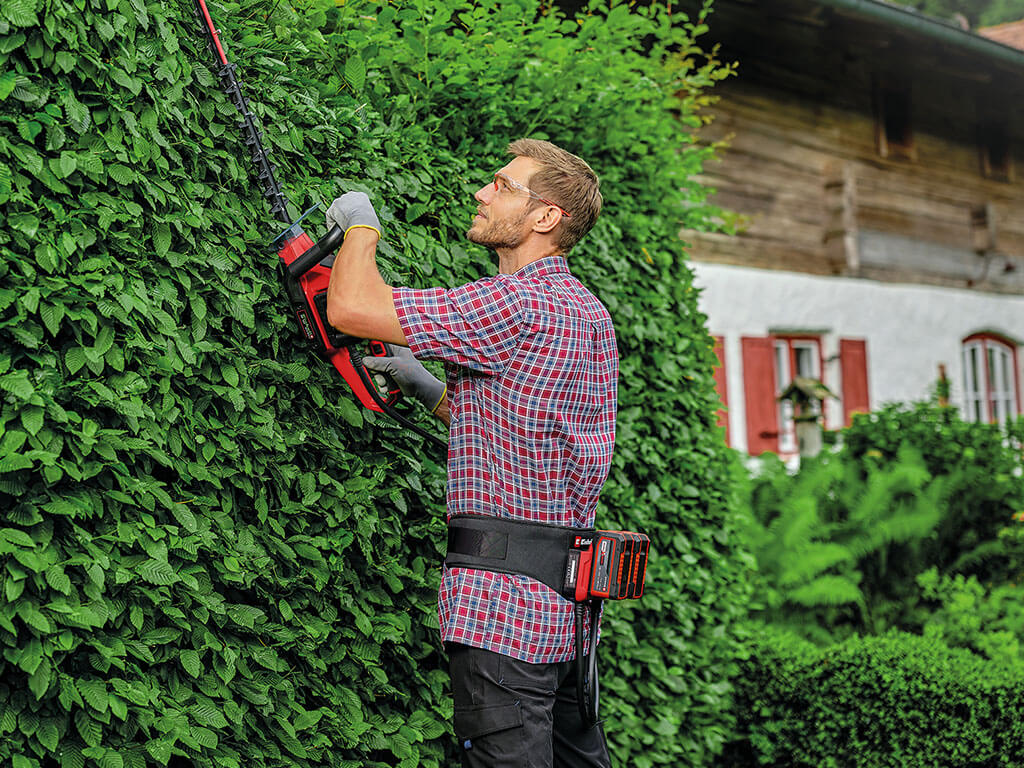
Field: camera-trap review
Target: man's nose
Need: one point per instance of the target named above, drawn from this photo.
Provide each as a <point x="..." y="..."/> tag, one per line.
<point x="482" y="195"/>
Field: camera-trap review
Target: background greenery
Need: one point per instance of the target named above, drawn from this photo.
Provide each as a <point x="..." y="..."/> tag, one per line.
<point x="887" y="618"/>
<point x="210" y="554"/>
<point x="979" y="13"/>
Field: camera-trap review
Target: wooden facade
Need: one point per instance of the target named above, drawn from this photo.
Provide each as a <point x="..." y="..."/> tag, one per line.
<point x="867" y="141"/>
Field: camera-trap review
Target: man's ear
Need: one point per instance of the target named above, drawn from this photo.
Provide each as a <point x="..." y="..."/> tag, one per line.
<point x="548" y="220"/>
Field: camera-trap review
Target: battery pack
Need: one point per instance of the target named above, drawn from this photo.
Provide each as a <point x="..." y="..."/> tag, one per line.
<point x="608" y="565"/>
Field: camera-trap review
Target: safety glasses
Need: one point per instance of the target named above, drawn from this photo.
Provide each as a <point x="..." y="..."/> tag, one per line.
<point x="501" y="179"/>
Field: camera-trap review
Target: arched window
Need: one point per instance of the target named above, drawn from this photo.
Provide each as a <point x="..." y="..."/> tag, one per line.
<point x="991" y="386"/>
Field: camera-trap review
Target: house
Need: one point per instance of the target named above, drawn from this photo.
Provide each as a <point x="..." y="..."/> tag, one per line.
<point x="874" y="160"/>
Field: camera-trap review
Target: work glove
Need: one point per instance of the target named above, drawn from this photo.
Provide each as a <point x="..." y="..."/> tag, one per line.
<point x="353" y="209"/>
<point x="409" y="374"/>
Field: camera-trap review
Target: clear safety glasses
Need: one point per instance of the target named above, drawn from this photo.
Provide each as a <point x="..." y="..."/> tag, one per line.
<point x="501" y="179"/>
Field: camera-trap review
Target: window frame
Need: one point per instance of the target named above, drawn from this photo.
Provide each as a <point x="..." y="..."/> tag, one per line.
<point x="984" y="357"/>
<point x="791" y="342"/>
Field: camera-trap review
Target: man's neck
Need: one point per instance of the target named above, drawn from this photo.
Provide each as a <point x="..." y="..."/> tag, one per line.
<point x="512" y="260"/>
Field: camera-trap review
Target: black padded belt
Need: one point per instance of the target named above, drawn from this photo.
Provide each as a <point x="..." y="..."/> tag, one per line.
<point x="537" y="550"/>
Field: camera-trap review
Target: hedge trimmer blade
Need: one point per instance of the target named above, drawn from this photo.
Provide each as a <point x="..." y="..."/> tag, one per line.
<point x="252" y="135"/>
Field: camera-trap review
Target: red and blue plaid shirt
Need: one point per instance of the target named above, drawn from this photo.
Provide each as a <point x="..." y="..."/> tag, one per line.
<point x="532" y="370"/>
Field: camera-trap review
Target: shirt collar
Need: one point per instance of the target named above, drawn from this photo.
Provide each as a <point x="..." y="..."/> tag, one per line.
<point x="549" y="265"/>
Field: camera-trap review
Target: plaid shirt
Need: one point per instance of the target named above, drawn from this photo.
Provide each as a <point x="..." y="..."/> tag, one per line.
<point x="532" y="370"/>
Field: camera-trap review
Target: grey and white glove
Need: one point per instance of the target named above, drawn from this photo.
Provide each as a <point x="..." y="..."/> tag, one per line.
<point x="353" y="209"/>
<point x="409" y="374"/>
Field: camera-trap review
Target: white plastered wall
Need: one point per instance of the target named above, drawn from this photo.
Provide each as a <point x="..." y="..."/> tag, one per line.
<point x="909" y="329"/>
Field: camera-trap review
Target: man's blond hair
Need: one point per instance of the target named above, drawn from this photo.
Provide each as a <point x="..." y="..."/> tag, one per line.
<point x="566" y="180"/>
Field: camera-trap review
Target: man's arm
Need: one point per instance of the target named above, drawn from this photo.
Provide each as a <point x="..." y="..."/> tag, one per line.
<point x="359" y="302"/>
<point x="442" y="411"/>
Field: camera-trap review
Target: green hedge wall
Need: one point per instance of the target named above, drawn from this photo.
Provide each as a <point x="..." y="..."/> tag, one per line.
<point x="210" y="554"/>
<point x="897" y="700"/>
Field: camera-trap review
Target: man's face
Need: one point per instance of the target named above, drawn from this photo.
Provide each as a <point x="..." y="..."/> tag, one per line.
<point x="502" y="219"/>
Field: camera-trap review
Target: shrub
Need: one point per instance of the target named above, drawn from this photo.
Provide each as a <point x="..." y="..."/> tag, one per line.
<point x="211" y="555"/>
<point x="966" y="614"/>
<point x="841" y="542"/>
<point x="898" y="700"/>
<point x="838" y="545"/>
<point x="982" y="466"/>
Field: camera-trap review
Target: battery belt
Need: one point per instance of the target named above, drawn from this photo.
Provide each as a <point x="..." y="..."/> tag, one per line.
<point x="541" y="551"/>
<point x="537" y="550"/>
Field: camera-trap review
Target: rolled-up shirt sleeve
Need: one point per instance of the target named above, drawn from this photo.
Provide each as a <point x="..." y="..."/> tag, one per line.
<point x="477" y="326"/>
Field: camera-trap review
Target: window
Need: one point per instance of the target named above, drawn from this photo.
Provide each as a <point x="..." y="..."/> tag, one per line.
<point x="894" y="133"/>
<point x="990" y="379"/>
<point x="994" y="147"/>
<point x="794" y="357"/>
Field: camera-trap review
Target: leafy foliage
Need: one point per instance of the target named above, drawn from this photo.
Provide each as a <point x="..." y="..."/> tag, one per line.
<point x="898" y="700"/>
<point x="977" y="12"/>
<point x="982" y="468"/>
<point x="841" y="543"/>
<point x="988" y="621"/>
<point x="210" y="554"/>
<point x="828" y="540"/>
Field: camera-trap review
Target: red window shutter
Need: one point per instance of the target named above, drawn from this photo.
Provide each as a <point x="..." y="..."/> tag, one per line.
<point x="721" y="387"/>
<point x="853" y="356"/>
<point x="759" y="389"/>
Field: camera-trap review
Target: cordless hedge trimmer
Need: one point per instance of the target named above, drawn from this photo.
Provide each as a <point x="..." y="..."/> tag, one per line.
<point x="305" y="266"/>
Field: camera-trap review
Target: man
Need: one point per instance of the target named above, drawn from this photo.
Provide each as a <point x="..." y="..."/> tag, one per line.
<point x="531" y="368"/>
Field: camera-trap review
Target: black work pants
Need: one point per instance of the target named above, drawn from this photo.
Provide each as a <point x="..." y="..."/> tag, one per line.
<point x="513" y="714"/>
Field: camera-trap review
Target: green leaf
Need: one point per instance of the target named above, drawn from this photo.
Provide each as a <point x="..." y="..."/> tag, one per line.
<point x="205" y="714"/>
<point x="158" y="572"/>
<point x="9" y="42"/>
<point x="160" y="750"/>
<point x="71" y="756"/>
<point x="15" y="536"/>
<point x="161" y="239"/>
<point x="355" y="72"/>
<point x="204" y="737"/>
<point x="58" y="580"/>
<point x="191" y="663"/>
<point x="50" y="314"/>
<point x="46" y="257"/>
<point x="121" y="174"/>
<point x="90" y="730"/>
<point x="94" y="692"/>
<point x="350" y="412"/>
<point x="32" y="419"/>
<point x="66" y="164"/>
<point x="7" y="82"/>
<point x="118" y="707"/>
<point x="39" y="681"/>
<point x="24" y="222"/>
<point x="48" y="736"/>
<point x="21" y="13"/>
<point x="74" y="359"/>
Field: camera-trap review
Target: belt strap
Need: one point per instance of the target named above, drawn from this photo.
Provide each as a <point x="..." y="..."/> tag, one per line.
<point x="537" y="550"/>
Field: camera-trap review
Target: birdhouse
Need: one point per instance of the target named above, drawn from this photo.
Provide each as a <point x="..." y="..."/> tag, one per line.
<point x="807" y="396"/>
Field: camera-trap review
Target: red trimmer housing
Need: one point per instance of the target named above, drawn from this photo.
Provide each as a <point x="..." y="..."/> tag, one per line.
<point x="305" y="269"/>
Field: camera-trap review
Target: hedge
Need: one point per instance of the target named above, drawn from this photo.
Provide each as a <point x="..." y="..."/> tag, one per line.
<point x="211" y="555"/>
<point x="896" y="700"/>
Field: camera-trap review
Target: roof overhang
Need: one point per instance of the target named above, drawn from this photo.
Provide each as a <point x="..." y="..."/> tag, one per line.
<point x="907" y="19"/>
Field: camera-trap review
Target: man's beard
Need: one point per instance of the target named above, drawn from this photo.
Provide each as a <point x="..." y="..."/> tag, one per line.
<point x="499" y="234"/>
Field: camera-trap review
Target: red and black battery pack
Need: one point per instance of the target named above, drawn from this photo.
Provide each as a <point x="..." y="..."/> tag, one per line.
<point x="608" y="565"/>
